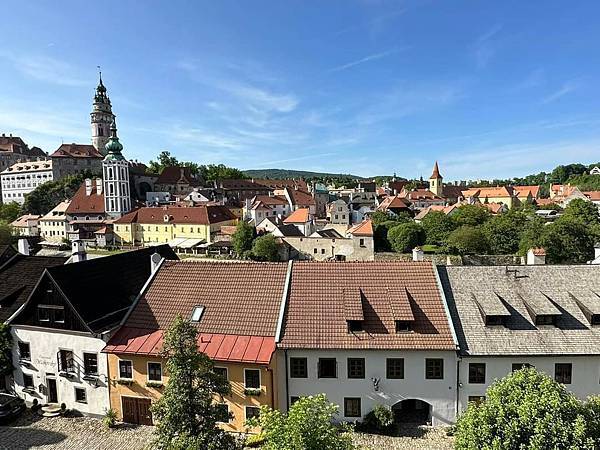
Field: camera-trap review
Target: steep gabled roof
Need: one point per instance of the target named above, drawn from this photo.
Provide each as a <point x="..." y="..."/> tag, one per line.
<point x="196" y="215"/>
<point x="315" y="316"/>
<point x="102" y="289"/>
<point x="436" y="171"/>
<point x="174" y="175"/>
<point x="18" y="277"/>
<point x="365" y="228"/>
<point x="76" y="151"/>
<point x="301" y="215"/>
<point x="300" y="198"/>
<point x="86" y="204"/>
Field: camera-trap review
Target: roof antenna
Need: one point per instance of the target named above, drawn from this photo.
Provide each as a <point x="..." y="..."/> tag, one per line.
<point x="100" y="73"/>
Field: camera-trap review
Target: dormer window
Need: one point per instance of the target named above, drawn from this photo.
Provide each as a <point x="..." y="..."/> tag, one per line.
<point x="354" y="326"/>
<point x="492" y="308"/>
<point x="542" y="310"/>
<point x="492" y="320"/>
<point x="403" y="326"/>
<point x="545" y="319"/>
<point x="197" y="314"/>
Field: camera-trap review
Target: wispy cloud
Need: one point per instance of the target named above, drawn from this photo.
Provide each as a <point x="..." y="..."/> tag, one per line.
<point x="566" y="88"/>
<point x="47" y="69"/>
<point x="373" y="57"/>
<point x="485" y="46"/>
<point x="262" y="98"/>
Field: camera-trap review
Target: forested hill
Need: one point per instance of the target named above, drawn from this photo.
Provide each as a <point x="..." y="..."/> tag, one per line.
<point x="285" y="173"/>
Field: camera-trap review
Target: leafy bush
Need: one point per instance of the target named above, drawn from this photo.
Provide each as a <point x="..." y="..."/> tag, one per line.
<point x="255" y="440"/>
<point x="379" y="419"/>
<point x="406" y="236"/>
<point x="467" y="240"/>
<point x="307" y="426"/>
<point x="527" y="410"/>
<point x="265" y="248"/>
<point x="242" y="238"/>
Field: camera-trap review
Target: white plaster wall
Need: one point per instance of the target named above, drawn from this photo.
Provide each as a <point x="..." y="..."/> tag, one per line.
<point x="44" y="346"/>
<point x="585" y="373"/>
<point x="441" y="394"/>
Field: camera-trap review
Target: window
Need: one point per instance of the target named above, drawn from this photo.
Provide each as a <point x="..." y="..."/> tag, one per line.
<point x="322" y="251"/>
<point x="402" y="326"/>
<point x="352" y="407"/>
<point x="24" y="351"/>
<point x="66" y="361"/>
<point x="327" y="368"/>
<point x="223" y="412"/>
<point x="252" y="411"/>
<point x="43" y="314"/>
<point x="394" y="368"/>
<point x="221" y="371"/>
<point x="51" y="313"/>
<point x="125" y="370"/>
<point x="197" y="313"/>
<point x="80" y="396"/>
<point x="563" y="372"/>
<point x="252" y="378"/>
<point x="298" y="368"/>
<point x="354" y="326"/>
<point x="154" y="371"/>
<point x="356" y="367"/>
<point x="544" y="320"/>
<point x="27" y="381"/>
<point x="434" y="369"/>
<point x="361" y="242"/>
<point x="315" y="251"/>
<point x="293" y="400"/>
<point x="477" y="373"/>
<point x="519" y="366"/>
<point x="90" y="363"/>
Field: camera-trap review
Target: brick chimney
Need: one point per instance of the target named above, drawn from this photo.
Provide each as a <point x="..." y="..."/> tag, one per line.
<point x="88" y="186"/>
<point x="99" y="186"/>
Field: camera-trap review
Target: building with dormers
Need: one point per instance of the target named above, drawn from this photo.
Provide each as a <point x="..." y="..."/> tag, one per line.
<point x="20" y="179"/>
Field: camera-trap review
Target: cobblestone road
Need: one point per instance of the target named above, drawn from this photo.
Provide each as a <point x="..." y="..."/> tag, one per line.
<point x="32" y="432"/>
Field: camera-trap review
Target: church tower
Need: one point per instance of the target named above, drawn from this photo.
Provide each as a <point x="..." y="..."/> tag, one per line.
<point x="101" y="118"/>
<point x="435" y="181"/>
<point x="115" y="173"/>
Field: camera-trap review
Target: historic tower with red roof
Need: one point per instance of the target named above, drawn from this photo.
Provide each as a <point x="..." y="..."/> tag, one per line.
<point x="101" y="118"/>
<point x="435" y="181"/>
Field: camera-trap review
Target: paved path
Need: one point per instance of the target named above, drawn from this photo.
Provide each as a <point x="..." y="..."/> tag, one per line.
<point x="32" y="432"/>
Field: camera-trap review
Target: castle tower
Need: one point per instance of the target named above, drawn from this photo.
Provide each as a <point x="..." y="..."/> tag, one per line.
<point x="101" y="118"/>
<point x="115" y="173"/>
<point x="435" y="181"/>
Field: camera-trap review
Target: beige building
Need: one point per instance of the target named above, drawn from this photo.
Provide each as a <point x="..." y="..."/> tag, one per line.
<point x="53" y="226"/>
<point x="26" y="225"/>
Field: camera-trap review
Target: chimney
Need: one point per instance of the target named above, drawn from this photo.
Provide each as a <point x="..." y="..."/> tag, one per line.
<point x="99" y="186"/>
<point x="155" y="261"/>
<point x="536" y="256"/>
<point x="418" y="254"/>
<point x="78" y="251"/>
<point x="88" y="187"/>
<point x="23" y="246"/>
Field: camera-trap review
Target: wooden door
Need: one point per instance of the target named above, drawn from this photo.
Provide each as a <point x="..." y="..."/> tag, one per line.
<point x="137" y="410"/>
<point x="52" y="391"/>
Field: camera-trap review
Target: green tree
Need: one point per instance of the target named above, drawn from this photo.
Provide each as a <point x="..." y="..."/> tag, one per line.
<point x="307" y="426"/>
<point x="379" y="217"/>
<point x="213" y="172"/>
<point x="525" y="410"/>
<point x="265" y="248"/>
<point x="568" y="241"/>
<point x="164" y="159"/>
<point x="471" y="215"/>
<point x="186" y="414"/>
<point x="242" y="238"/>
<point x="582" y="210"/>
<point x="380" y="235"/>
<point x="46" y="196"/>
<point x="438" y="227"/>
<point x="9" y="212"/>
<point x="467" y="240"/>
<point x="6" y="234"/>
<point x="503" y="232"/>
<point x="6" y="366"/>
<point x="406" y="236"/>
<point x="531" y="234"/>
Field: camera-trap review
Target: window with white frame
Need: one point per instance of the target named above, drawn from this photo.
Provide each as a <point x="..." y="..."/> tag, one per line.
<point x="80" y="395"/>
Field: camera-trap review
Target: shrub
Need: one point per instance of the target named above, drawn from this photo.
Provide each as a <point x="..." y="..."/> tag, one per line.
<point x="110" y="418"/>
<point x="255" y="440"/>
<point x="406" y="236"/>
<point x="467" y="240"/>
<point x="380" y="419"/>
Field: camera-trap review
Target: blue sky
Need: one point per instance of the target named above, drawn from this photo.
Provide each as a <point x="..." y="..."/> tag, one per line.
<point x="490" y="89"/>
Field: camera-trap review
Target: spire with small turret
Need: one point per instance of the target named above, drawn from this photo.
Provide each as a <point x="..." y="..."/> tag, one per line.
<point x="101" y="116"/>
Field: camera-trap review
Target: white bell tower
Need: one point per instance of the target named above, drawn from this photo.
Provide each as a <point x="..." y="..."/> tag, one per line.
<point x="115" y="173"/>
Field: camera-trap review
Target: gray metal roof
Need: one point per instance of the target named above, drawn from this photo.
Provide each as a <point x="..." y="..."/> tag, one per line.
<point x="570" y="292"/>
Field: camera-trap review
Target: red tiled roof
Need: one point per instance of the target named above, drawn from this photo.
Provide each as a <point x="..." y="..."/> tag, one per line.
<point x="82" y="204"/>
<point x="174" y="175"/>
<point x="219" y="347"/>
<point x="523" y="191"/>
<point x="365" y="228"/>
<point x="280" y="184"/>
<point x="392" y="202"/>
<point x="301" y="198"/>
<point x="495" y="192"/>
<point x="315" y="312"/>
<point x="436" y="172"/>
<point x="299" y="216"/>
<point x="592" y="195"/>
<point x="76" y="151"/>
<point x="419" y="194"/>
<point x="197" y="215"/>
<point x="22" y="221"/>
<point x="271" y="199"/>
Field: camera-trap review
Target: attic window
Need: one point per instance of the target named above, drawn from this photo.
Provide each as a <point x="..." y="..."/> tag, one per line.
<point x="354" y="326"/>
<point x="197" y="313"/>
<point x="494" y="320"/>
<point x="403" y="326"/>
<point x="595" y="319"/>
<point x="545" y="319"/>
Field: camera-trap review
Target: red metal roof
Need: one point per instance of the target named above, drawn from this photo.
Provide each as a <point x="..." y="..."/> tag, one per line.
<point x="220" y="347"/>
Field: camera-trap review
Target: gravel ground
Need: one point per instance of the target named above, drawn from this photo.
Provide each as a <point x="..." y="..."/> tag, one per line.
<point x="410" y="439"/>
<point x="77" y="433"/>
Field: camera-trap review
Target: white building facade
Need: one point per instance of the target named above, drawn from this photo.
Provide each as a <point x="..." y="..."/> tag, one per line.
<point x="21" y="178"/>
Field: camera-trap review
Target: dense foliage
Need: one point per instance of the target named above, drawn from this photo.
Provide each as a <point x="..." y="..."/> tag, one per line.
<point x="46" y="196"/>
<point x="209" y="172"/>
<point x="406" y="236"/>
<point x="380" y="419"/>
<point x="529" y="410"/>
<point x="9" y="212"/>
<point x="307" y="426"/>
<point x="186" y="414"/>
<point x="242" y="238"/>
<point x="467" y="240"/>
<point x="438" y="227"/>
<point x="6" y="366"/>
<point x="6" y="234"/>
<point x="265" y="248"/>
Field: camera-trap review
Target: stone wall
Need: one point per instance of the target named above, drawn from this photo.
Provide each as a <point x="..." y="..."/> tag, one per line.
<point x="455" y="260"/>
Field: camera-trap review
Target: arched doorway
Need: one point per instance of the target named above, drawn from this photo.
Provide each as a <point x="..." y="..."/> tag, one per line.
<point x="412" y="411"/>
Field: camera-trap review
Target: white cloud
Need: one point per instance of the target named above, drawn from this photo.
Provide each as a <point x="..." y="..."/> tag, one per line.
<point x="565" y="89"/>
<point x="47" y="69"/>
<point x="373" y="57"/>
<point x="261" y="98"/>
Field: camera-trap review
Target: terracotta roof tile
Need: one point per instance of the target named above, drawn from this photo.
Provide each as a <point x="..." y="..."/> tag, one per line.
<point x="315" y="312"/>
<point x="365" y="228"/>
<point x="76" y="151"/>
<point x="299" y="216"/>
<point x="197" y="215"/>
<point x="82" y="204"/>
<point x="173" y="175"/>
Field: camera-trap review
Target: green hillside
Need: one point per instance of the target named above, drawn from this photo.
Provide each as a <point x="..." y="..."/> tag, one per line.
<point x="285" y="173"/>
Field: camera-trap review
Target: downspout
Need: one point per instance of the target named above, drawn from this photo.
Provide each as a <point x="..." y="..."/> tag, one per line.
<point x="458" y="361"/>
<point x="287" y="397"/>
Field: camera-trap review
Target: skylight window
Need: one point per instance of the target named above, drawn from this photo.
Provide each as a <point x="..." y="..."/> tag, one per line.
<point x="197" y="313"/>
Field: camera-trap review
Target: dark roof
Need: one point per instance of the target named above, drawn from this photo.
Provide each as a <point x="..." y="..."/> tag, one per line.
<point x="196" y="215"/>
<point x="388" y="291"/>
<point x="101" y="289"/>
<point x="6" y="252"/>
<point x="519" y="294"/>
<point x="76" y="151"/>
<point x="18" y="277"/>
<point x="290" y="230"/>
<point x="174" y="174"/>
<point x="329" y="233"/>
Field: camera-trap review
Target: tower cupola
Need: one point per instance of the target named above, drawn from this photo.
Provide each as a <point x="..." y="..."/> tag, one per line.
<point x="101" y="117"/>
